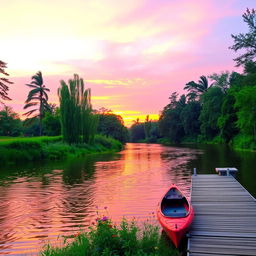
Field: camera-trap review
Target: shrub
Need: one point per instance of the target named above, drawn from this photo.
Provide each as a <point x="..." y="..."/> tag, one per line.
<point x="106" y="239"/>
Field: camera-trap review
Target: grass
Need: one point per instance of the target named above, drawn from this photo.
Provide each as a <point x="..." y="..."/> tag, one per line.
<point x="18" y="150"/>
<point x="106" y="239"/>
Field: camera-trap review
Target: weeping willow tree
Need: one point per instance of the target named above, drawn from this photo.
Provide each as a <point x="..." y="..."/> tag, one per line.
<point x="78" y="123"/>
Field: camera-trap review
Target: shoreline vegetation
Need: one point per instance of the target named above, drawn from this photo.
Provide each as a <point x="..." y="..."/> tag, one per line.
<point x="107" y="239"/>
<point x="15" y="150"/>
<point x="218" y="108"/>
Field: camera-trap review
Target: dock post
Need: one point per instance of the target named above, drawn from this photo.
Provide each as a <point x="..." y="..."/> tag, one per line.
<point x="195" y="172"/>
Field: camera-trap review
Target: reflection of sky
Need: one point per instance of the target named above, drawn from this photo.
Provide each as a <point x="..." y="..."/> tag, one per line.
<point x="132" y="57"/>
<point x="61" y="202"/>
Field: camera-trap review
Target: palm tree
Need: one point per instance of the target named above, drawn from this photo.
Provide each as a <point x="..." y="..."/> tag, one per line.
<point x="197" y="89"/>
<point x="37" y="96"/>
<point x="4" y="88"/>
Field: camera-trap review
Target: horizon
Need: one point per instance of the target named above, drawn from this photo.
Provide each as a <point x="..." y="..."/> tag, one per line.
<point x="132" y="58"/>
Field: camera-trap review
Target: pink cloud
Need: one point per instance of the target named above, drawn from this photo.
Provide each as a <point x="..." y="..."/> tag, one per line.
<point x="135" y="57"/>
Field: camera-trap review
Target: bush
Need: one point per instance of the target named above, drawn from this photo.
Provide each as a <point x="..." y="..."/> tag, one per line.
<point x="106" y="239"/>
<point x="243" y="141"/>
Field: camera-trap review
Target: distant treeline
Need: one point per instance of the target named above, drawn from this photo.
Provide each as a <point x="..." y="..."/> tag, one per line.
<point x="221" y="111"/>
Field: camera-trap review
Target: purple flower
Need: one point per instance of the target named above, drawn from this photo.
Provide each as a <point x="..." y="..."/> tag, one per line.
<point x="104" y="218"/>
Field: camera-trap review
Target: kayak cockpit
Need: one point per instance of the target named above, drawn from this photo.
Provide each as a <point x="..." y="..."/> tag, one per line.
<point x="174" y="204"/>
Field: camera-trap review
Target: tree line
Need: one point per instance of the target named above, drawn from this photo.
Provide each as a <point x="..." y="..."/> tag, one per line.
<point x="220" y="107"/>
<point x="74" y="118"/>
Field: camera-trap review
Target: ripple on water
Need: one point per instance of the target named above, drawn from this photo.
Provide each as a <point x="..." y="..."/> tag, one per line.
<point x="41" y="207"/>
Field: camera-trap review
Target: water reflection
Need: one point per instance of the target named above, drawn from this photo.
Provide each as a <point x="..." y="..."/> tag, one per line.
<point x="40" y="203"/>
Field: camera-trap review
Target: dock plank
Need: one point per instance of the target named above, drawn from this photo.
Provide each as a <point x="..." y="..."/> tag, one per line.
<point x="225" y="217"/>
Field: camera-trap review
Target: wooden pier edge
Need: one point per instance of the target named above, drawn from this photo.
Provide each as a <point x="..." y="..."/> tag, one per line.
<point x="225" y="217"/>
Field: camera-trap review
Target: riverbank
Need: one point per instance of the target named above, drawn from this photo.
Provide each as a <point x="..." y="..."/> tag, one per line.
<point x="22" y="149"/>
<point x="239" y="142"/>
<point x="105" y="239"/>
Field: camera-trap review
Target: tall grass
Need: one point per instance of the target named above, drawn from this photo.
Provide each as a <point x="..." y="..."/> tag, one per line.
<point x="106" y="239"/>
<point x="20" y="150"/>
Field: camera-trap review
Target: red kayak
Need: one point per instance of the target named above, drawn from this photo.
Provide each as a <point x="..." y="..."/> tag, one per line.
<point x="175" y="214"/>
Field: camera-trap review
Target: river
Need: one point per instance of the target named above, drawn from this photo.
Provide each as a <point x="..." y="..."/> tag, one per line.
<point x="42" y="202"/>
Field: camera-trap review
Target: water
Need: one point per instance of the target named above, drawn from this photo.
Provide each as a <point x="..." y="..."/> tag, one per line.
<point x="40" y="203"/>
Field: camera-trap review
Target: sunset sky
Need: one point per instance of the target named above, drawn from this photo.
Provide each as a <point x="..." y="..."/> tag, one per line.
<point x="133" y="54"/>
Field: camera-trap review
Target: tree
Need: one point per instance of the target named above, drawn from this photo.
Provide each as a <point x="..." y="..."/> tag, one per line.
<point x="197" y="89"/>
<point x="170" y="122"/>
<point x="137" y="132"/>
<point x="4" y="82"/>
<point x="228" y="118"/>
<point x="246" y="41"/>
<point x="211" y="111"/>
<point x="78" y="124"/>
<point x="221" y="80"/>
<point x="246" y="105"/>
<point x="112" y="125"/>
<point x="190" y="119"/>
<point x="147" y="127"/>
<point x="51" y="122"/>
<point x="10" y="124"/>
<point x="37" y="96"/>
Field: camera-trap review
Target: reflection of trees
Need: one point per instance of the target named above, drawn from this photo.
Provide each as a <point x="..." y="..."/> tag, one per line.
<point x="79" y="170"/>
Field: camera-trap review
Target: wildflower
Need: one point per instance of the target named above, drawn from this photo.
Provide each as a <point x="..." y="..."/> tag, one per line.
<point x="110" y="226"/>
<point x="156" y="248"/>
<point x="114" y="235"/>
<point x="104" y="218"/>
<point x="105" y="207"/>
<point x="93" y="223"/>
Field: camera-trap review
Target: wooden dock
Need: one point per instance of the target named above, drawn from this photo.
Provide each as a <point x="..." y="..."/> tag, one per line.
<point x="225" y="217"/>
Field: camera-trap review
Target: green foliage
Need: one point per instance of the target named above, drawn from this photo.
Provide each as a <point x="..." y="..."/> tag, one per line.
<point x="246" y="105"/>
<point x="196" y="89"/>
<point x="221" y="80"/>
<point x="243" y="141"/>
<point x="228" y="118"/>
<point x="16" y="150"/>
<point x="4" y="82"/>
<point x="51" y="123"/>
<point x="190" y="118"/>
<point x="77" y="121"/>
<point x="37" y="96"/>
<point x="147" y="126"/>
<point x="10" y="124"/>
<point x="247" y="41"/>
<point x="32" y="128"/>
<point x="211" y="111"/>
<point x="112" y="125"/>
<point x="170" y="122"/>
<point x="106" y="239"/>
<point x="137" y="132"/>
